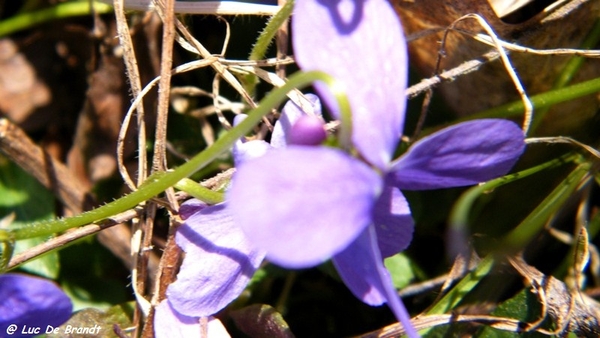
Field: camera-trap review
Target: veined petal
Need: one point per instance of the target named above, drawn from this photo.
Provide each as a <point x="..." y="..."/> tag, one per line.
<point x="361" y="268"/>
<point x="219" y="262"/>
<point x="168" y="323"/>
<point x="289" y="115"/>
<point x="31" y="301"/>
<point x="303" y="204"/>
<point x="392" y="221"/>
<point x="464" y="154"/>
<point x="361" y="44"/>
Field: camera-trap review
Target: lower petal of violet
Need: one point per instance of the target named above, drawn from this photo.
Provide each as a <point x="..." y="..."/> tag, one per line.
<point x="219" y="262"/>
<point x="168" y="323"/>
<point x="361" y="268"/>
<point x="302" y="205"/>
<point x="393" y="222"/>
<point x="31" y="301"/>
<point x="464" y="154"/>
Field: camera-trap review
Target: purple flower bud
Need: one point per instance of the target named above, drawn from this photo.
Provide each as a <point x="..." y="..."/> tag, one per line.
<point x="307" y="131"/>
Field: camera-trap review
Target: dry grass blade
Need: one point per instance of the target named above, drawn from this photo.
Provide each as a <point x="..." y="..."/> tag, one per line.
<point x="507" y="65"/>
<point x="136" y="86"/>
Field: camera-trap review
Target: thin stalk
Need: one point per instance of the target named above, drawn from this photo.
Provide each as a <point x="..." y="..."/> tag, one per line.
<point x="155" y="184"/>
<point x="59" y="11"/>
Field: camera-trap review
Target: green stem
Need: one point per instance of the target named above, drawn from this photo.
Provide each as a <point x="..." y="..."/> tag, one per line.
<point x="461" y="212"/>
<point x="156" y="184"/>
<point x="540" y="101"/>
<point x="264" y="41"/>
<point x="456" y="295"/>
<point x="199" y="192"/>
<point x="569" y="71"/>
<point x="60" y="11"/>
<point x="535" y="221"/>
<point x="266" y="36"/>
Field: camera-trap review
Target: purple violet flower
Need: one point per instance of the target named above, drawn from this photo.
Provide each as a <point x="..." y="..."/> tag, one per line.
<point x="30" y="303"/>
<point x="306" y="204"/>
<point x="219" y="260"/>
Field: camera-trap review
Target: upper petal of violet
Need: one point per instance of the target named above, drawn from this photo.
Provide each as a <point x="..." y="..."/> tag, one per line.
<point x="463" y="154"/>
<point x="218" y="264"/>
<point x="303" y="204"/>
<point x="361" y="44"/>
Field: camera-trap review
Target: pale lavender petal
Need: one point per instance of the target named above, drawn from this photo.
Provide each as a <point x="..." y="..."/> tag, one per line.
<point x="392" y="221"/>
<point x="464" y="154"/>
<point x="244" y="151"/>
<point x="307" y="131"/>
<point x="32" y="302"/>
<point x="361" y="44"/>
<point x="219" y="262"/>
<point x="168" y="323"/>
<point x="361" y="268"/>
<point x="289" y="115"/>
<point x="303" y="204"/>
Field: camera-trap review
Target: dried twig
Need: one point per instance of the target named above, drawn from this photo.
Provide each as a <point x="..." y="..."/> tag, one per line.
<point x="136" y="86"/>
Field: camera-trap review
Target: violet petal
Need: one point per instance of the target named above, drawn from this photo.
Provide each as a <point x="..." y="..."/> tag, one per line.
<point x="219" y="262"/>
<point x="289" y="115"/>
<point x="303" y="204"/>
<point x="361" y="268"/>
<point x="355" y="266"/>
<point x="190" y="207"/>
<point x="32" y="302"/>
<point x="244" y="151"/>
<point x="361" y="44"/>
<point x="168" y="323"/>
<point x="392" y="221"/>
<point x="464" y="154"/>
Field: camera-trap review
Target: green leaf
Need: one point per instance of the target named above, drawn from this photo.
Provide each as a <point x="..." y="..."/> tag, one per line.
<point x="98" y="323"/>
<point x="22" y="195"/>
<point x="260" y="320"/>
<point x="400" y="268"/>
<point x="524" y="307"/>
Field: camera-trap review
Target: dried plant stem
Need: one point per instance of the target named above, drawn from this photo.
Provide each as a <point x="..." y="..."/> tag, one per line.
<point x="159" y="159"/>
<point x="507" y="65"/>
<point x="136" y="86"/>
<point x="71" y="236"/>
<point x="451" y="74"/>
<point x="564" y="139"/>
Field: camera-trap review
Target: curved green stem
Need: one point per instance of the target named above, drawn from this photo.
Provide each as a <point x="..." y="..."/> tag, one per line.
<point x="156" y="184"/>
<point x="60" y="11"/>
<point x="199" y="192"/>
<point x="461" y="212"/>
<point x="534" y="222"/>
